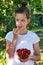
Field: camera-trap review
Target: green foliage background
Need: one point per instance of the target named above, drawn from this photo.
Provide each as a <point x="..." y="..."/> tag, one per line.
<point x="7" y="8"/>
<point x="7" y="21"/>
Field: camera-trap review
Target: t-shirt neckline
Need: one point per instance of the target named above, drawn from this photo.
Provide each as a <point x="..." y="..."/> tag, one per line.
<point x="23" y="34"/>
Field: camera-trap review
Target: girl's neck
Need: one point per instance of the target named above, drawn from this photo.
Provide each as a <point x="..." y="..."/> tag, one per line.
<point x="23" y="32"/>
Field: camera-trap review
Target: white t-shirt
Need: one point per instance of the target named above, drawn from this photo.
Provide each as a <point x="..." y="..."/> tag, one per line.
<point x="24" y="41"/>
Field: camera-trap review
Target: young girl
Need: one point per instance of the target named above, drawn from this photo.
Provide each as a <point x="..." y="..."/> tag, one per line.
<point x="20" y="38"/>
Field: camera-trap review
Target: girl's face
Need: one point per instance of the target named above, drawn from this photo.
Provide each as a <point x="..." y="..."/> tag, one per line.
<point x="21" y="21"/>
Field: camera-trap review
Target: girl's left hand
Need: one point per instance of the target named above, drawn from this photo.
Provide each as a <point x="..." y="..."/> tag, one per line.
<point x="24" y="60"/>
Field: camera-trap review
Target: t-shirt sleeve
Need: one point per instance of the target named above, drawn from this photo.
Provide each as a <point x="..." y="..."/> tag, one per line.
<point x="35" y="38"/>
<point x="9" y="36"/>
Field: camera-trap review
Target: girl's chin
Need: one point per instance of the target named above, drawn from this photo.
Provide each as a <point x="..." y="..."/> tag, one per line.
<point x="20" y="28"/>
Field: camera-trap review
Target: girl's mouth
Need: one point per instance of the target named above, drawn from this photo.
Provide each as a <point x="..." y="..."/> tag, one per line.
<point x="19" y="27"/>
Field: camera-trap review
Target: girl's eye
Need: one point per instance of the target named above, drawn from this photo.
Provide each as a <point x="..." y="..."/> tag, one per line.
<point x="22" y="20"/>
<point x="17" y="19"/>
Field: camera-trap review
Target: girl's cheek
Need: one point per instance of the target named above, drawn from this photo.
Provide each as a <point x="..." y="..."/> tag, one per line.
<point x="17" y="23"/>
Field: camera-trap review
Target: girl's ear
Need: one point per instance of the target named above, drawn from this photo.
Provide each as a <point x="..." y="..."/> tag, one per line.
<point x="28" y="21"/>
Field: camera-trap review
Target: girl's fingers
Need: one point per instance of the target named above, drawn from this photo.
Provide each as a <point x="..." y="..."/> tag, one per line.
<point x="15" y="30"/>
<point x="24" y="60"/>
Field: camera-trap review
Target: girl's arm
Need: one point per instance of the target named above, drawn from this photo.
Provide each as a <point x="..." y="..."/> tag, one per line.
<point x="36" y="57"/>
<point x="10" y="48"/>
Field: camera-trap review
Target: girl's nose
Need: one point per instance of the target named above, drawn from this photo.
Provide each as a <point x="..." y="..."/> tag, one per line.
<point x="18" y="23"/>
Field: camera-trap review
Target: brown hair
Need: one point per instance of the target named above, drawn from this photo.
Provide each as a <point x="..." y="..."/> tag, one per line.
<point x="23" y="9"/>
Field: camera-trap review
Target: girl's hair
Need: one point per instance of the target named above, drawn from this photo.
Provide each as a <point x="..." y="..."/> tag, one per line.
<point x="23" y="9"/>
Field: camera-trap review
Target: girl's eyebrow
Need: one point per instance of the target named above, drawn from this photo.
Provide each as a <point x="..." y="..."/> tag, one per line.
<point x="22" y="20"/>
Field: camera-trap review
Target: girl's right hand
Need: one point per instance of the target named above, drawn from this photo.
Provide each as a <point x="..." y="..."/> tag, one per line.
<point x="15" y="32"/>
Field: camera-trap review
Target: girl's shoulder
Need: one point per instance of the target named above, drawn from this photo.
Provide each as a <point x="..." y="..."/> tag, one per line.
<point x="32" y="33"/>
<point x="10" y="33"/>
<point x="33" y="36"/>
<point x="9" y="36"/>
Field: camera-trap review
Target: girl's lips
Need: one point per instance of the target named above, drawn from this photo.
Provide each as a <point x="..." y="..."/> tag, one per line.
<point x="20" y="27"/>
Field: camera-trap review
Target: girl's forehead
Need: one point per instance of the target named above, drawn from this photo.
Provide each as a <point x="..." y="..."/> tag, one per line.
<point x="20" y="15"/>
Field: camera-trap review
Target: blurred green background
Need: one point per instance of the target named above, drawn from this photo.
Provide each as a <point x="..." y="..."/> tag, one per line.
<point x="7" y="22"/>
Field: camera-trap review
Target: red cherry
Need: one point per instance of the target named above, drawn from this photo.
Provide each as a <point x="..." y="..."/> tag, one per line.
<point x="23" y="53"/>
